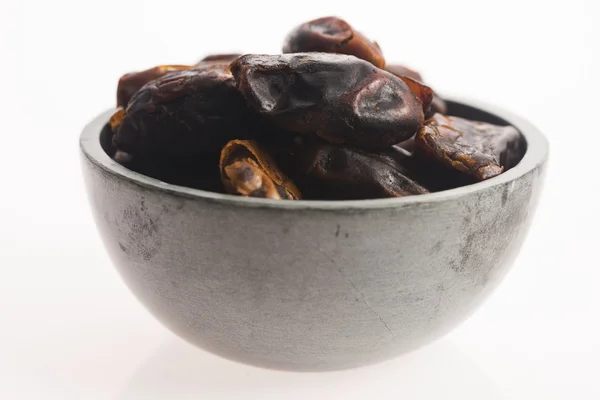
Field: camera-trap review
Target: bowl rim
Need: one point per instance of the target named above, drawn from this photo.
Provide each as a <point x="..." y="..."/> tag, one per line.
<point x="535" y="155"/>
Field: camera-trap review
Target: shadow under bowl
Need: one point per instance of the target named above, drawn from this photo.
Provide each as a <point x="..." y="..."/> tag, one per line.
<point x="313" y="285"/>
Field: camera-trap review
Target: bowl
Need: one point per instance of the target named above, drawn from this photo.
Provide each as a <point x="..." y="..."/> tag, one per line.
<point x="313" y="285"/>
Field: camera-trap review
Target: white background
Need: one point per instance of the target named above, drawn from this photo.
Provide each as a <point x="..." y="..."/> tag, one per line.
<point x="70" y="329"/>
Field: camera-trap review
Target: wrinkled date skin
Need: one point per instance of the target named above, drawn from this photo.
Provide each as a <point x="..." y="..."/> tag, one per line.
<point x="130" y="83"/>
<point x="184" y="113"/>
<point x="340" y="98"/>
<point x="342" y="173"/>
<point x="247" y="170"/>
<point x="333" y="35"/>
<point x="478" y="149"/>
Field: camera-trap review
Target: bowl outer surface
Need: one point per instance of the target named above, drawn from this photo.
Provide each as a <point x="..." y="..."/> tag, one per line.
<point x="311" y="285"/>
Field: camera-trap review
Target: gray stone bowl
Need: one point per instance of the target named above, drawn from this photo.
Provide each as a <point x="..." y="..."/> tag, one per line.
<point x="313" y="285"/>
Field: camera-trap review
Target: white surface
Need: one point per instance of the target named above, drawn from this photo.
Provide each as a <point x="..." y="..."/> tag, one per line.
<point x="69" y="329"/>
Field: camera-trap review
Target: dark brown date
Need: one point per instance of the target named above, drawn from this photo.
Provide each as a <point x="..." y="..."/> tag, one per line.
<point x="340" y="98"/>
<point x="130" y="83"/>
<point x="333" y="35"/>
<point x="247" y="170"/>
<point x="184" y="113"/>
<point x="327" y="120"/>
<point x="342" y="173"/>
<point x="478" y="149"/>
<point x="433" y="176"/>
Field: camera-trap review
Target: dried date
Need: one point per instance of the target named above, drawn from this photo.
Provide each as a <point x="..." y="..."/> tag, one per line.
<point x="433" y="176"/>
<point x="342" y="173"/>
<point x="327" y="120"/>
<point x="333" y="35"/>
<point x="247" y="170"/>
<point x="342" y="99"/>
<point x="478" y="149"/>
<point x="130" y="83"/>
<point x="184" y="113"/>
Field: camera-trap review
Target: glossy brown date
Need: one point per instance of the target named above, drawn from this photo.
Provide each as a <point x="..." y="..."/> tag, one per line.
<point x="184" y="113"/>
<point x="327" y="120"/>
<point x="247" y="170"/>
<point x="130" y="83"/>
<point x="328" y="172"/>
<point x="478" y="149"/>
<point x="342" y="99"/>
<point x="431" y="175"/>
<point x="333" y="35"/>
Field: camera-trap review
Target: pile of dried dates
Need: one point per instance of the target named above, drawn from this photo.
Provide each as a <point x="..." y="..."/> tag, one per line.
<point x="328" y="119"/>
